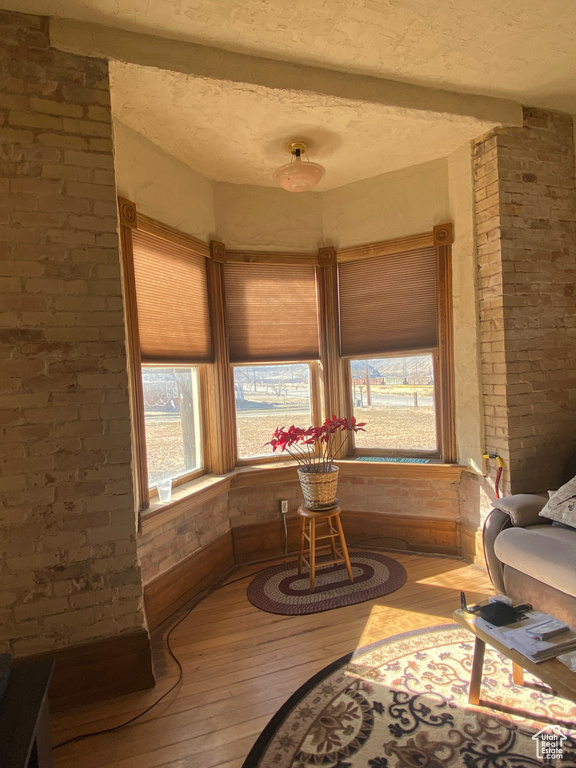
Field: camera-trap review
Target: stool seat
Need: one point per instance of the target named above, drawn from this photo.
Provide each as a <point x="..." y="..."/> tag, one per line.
<point x="309" y="538"/>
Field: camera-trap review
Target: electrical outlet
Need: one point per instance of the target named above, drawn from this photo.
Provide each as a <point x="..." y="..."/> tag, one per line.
<point x="284" y="506"/>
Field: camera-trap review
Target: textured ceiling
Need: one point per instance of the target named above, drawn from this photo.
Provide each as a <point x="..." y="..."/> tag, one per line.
<point x="521" y="50"/>
<point x="236" y="131"/>
<point x="239" y="133"/>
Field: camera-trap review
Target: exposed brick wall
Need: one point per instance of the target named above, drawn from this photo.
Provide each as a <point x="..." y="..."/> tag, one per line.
<point x="392" y="496"/>
<point x="395" y="496"/>
<point x="525" y="220"/>
<point x="68" y="565"/>
<point x="261" y="503"/>
<point x="174" y="538"/>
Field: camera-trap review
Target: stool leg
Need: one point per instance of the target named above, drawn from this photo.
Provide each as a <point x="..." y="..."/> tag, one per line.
<point x="301" y="549"/>
<point x="344" y="547"/>
<point x="332" y="530"/>
<point x="312" y="554"/>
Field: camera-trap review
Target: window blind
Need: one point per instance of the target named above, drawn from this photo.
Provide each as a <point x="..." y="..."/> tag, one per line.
<point x="172" y="301"/>
<point x="389" y="304"/>
<point x="271" y="312"/>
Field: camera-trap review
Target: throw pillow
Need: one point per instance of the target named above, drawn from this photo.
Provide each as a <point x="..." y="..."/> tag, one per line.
<point x="562" y="506"/>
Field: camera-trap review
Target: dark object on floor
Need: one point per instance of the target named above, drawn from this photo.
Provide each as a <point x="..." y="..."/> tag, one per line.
<point x="280" y="589"/>
<point x="5" y="670"/>
<point x="24" y="722"/>
<point x="403" y="701"/>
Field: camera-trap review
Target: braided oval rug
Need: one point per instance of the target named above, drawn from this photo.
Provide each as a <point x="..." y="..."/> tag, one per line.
<point x="279" y="589"/>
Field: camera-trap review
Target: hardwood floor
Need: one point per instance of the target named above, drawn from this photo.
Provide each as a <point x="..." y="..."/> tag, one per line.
<point x="241" y="664"/>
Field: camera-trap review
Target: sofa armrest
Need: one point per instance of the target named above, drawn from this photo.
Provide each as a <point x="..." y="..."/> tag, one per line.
<point x="523" y="508"/>
<point x="496" y="522"/>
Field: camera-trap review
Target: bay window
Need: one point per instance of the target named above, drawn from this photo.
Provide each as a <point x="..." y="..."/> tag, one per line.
<point x="226" y="346"/>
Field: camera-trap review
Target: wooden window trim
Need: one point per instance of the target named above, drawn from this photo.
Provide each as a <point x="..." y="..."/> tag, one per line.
<point x="152" y="227"/>
<point x="214" y="459"/>
<point x="128" y="222"/>
<point x="337" y="379"/>
<point x="387" y="247"/>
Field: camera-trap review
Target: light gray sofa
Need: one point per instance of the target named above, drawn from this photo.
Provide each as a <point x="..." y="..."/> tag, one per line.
<point x="528" y="558"/>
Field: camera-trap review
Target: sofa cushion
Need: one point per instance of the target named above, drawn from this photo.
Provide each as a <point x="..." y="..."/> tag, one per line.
<point x="562" y="504"/>
<point x="544" y="552"/>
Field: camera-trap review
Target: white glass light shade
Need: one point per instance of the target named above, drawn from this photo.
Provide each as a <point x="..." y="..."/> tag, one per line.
<point x="298" y="176"/>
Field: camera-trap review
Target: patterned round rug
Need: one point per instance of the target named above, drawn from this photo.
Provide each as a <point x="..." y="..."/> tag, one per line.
<point x="403" y="703"/>
<point x="280" y="589"/>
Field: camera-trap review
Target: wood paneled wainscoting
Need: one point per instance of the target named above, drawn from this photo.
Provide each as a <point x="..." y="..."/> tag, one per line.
<point x="259" y="541"/>
<point x="195" y="574"/>
<point x="100" y="669"/>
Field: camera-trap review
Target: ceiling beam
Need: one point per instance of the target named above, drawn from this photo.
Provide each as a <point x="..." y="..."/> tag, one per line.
<point x="217" y="64"/>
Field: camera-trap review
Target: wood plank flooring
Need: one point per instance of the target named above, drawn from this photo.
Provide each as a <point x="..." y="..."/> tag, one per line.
<point x="240" y="664"/>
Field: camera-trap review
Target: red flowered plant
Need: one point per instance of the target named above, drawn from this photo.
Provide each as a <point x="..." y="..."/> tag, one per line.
<point x="315" y="448"/>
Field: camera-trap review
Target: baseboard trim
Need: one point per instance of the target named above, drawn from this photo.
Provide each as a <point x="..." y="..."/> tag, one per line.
<point x="100" y="669"/>
<point x="261" y="541"/>
<point x="199" y="571"/>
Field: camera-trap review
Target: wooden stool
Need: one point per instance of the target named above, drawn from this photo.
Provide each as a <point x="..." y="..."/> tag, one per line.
<point x="329" y="518"/>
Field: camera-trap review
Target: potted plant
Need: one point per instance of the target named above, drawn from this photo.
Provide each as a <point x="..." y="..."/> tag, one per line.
<point x="315" y="449"/>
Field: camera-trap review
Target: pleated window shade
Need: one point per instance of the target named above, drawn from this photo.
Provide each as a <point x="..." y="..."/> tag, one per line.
<point x="389" y="304"/>
<point x="271" y="312"/>
<point x="172" y="299"/>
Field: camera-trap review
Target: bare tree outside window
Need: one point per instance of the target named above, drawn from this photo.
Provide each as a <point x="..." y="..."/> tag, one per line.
<point x="172" y="420"/>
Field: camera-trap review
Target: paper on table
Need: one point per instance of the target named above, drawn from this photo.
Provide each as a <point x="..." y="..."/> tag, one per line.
<point x="502" y="634"/>
<point x="540" y="650"/>
<point x="514" y="636"/>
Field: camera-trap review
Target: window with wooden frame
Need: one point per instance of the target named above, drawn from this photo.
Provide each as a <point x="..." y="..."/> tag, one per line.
<point x="225" y="346"/>
<point x="272" y="327"/>
<point x="396" y="337"/>
<point x="171" y="343"/>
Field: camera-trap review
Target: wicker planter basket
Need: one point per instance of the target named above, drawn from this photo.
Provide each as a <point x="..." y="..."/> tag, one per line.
<point x="319" y="488"/>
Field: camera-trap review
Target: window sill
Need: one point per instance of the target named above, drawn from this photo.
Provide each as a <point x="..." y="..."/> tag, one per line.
<point x="435" y="470"/>
<point x="202" y="489"/>
<point x="187" y="495"/>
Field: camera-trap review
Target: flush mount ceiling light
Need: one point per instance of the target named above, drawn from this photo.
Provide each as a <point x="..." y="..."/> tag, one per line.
<point x="299" y="175"/>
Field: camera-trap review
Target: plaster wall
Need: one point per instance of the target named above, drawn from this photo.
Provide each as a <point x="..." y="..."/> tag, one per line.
<point x="469" y="407"/>
<point x="392" y="205"/>
<point x="162" y="187"/>
<point x="262" y="218"/>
